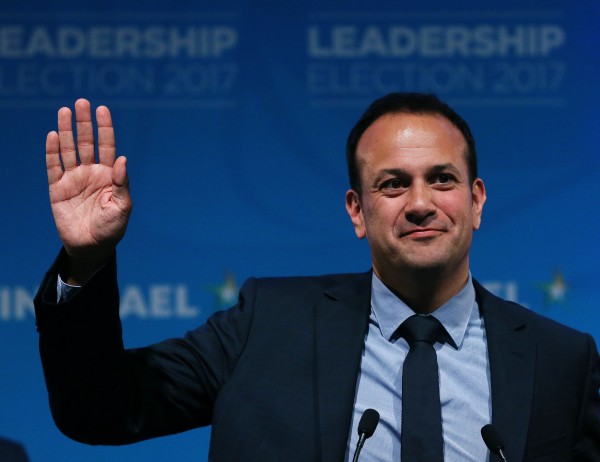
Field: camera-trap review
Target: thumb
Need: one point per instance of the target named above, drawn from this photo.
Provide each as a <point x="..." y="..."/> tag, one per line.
<point x="120" y="182"/>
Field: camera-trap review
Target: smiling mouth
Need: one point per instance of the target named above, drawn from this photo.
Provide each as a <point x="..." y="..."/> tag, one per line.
<point x="422" y="233"/>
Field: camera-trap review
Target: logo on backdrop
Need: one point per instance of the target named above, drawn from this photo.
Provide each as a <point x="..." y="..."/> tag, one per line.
<point x="183" y="301"/>
<point x="478" y="58"/>
<point x="555" y="290"/>
<point x="226" y="293"/>
<point x="168" y="60"/>
<point x="142" y="301"/>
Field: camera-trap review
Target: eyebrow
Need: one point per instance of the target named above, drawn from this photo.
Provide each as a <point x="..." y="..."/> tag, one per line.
<point x="448" y="167"/>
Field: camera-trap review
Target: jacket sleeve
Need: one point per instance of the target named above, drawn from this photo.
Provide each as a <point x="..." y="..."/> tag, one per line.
<point x="101" y="393"/>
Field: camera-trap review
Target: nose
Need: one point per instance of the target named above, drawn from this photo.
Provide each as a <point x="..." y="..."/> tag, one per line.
<point x="419" y="203"/>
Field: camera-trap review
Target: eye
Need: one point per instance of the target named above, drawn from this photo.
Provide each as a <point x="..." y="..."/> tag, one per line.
<point x="394" y="183"/>
<point x="443" y="178"/>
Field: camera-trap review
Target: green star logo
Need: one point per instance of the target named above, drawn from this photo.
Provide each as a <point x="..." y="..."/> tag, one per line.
<point x="555" y="290"/>
<point x="226" y="293"/>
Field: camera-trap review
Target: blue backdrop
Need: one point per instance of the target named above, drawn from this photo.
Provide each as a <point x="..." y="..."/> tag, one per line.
<point x="233" y="116"/>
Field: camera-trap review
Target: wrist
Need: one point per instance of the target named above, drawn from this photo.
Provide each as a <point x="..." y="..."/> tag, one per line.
<point x="76" y="270"/>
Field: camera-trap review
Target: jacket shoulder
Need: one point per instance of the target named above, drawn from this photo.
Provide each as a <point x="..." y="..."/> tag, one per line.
<point x="519" y="316"/>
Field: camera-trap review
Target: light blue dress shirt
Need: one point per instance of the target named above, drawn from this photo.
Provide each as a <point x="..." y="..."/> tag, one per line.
<point x="464" y="377"/>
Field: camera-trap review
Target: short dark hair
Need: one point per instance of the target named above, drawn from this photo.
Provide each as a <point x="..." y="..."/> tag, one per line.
<point x="408" y="103"/>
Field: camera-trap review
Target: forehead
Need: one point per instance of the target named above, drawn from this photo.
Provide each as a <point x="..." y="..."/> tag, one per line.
<point x="410" y="138"/>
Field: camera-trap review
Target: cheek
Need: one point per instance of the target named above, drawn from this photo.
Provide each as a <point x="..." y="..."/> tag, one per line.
<point x="458" y="208"/>
<point x="384" y="216"/>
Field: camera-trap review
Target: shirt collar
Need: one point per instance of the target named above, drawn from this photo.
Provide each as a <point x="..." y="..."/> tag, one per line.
<point x="390" y="312"/>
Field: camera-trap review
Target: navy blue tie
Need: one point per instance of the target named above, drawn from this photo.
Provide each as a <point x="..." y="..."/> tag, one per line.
<point x="421" y="439"/>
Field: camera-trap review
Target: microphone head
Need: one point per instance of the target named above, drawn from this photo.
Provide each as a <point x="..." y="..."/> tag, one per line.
<point x="491" y="438"/>
<point x="368" y="423"/>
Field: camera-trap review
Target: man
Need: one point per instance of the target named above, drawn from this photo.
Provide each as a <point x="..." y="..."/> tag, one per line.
<point x="288" y="371"/>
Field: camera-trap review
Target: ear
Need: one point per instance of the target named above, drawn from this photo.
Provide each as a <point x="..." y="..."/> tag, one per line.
<point x="478" y="197"/>
<point x="354" y="210"/>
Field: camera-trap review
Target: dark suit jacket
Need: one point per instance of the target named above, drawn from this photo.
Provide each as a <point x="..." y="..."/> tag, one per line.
<point x="11" y="451"/>
<point x="276" y="374"/>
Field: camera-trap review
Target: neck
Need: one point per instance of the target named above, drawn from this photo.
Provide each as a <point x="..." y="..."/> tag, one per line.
<point x="424" y="291"/>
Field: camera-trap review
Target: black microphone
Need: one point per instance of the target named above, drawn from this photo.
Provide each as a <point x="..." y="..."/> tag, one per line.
<point x="493" y="441"/>
<point x="366" y="428"/>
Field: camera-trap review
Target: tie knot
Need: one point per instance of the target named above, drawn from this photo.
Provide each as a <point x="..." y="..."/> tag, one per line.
<point x="421" y="329"/>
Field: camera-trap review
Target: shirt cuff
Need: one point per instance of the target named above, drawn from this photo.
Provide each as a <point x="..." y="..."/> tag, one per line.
<point x="64" y="291"/>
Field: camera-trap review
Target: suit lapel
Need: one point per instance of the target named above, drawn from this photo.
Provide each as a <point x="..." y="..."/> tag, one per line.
<point x="512" y="362"/>
<point x="341" y="320"/>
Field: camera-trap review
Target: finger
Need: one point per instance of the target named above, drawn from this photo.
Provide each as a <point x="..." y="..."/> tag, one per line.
<point x="65" y="138"/>
<point x="106" y="136"/>
<point x="85" y="131"/>
<point x="53" y="167"/>
<point x="121" y="183"/>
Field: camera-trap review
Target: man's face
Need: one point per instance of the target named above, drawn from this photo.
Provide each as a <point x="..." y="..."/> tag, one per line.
<point x="417" y="207"/>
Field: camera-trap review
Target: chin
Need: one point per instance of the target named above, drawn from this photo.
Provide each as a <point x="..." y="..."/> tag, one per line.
<point x="424" y="264"/>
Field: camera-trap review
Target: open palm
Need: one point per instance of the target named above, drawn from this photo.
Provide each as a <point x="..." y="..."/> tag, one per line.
<point x="90" y="200"/>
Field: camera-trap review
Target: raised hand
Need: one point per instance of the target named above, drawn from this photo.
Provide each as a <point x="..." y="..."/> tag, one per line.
<point x="90" y="201"/>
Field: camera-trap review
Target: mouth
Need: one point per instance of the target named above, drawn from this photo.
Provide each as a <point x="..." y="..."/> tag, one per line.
<point x="422" y="233"/>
